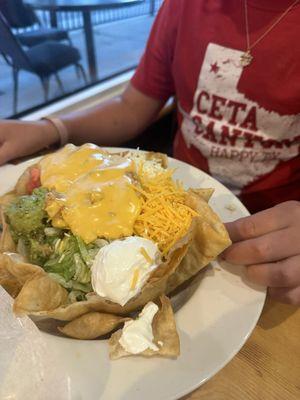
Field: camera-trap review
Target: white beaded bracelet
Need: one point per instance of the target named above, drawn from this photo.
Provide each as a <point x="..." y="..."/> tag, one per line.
<point x="61" y="129"/>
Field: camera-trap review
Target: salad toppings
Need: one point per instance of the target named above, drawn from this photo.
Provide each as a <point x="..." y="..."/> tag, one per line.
<point x="63" y="255"/>
<point x="120" y="268"/>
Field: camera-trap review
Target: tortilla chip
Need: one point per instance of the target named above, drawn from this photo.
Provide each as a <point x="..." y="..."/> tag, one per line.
<point x="7" y="198"/>
<point x="7" y="280"/>
<point x="160" y="158"/>
<point x="9" y="283"/>
<point x="17" y="269"/>
<point x="66" y="312"/>
<point x="92" y="325"/>
<point x="211" y="239"/>
<point x="211" y="235"/>
<point x="205" y="194"/>
<point x="6" y="240"/>
<point x="39" y="293"/>
<point x="12" y="287"/>
<point x="164" y="331"/>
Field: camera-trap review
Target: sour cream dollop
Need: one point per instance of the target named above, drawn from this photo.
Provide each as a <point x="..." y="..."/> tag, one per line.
<point x="137" y="335"/>
<point x="121" y="268"/>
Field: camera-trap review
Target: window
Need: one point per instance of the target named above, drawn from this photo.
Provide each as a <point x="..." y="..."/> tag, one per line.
<point x="51" y="49"/>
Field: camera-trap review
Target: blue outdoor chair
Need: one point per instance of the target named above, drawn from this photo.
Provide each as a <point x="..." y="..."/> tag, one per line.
<point x="20" y="15"/>
<point x="44" y="59"/>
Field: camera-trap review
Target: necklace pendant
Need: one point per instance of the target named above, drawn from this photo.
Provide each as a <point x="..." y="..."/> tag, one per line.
<point x="246" y="59"/>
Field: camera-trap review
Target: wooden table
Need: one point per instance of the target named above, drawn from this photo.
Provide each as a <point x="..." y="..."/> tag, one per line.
<point x="267" y="367"/>
<point x="85" y="8"/>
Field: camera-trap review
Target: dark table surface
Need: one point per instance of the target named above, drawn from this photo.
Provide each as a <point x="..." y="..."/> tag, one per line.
<point x="79" y="5"/>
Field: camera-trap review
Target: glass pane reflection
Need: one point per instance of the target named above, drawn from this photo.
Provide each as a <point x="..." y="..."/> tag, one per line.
<point x="52" y="48"/>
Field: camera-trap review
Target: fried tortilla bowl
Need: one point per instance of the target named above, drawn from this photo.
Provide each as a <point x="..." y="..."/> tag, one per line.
<point x="37" y="294"/>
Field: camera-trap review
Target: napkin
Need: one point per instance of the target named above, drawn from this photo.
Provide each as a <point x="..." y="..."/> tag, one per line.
<point x="28" y="370"/>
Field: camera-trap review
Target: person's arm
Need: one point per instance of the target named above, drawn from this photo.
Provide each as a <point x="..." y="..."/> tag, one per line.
<point x="114" y="121"/>
<point x="110" y="123"/>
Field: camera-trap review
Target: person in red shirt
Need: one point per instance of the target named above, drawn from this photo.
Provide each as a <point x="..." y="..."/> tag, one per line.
<point x="234" y="68"/>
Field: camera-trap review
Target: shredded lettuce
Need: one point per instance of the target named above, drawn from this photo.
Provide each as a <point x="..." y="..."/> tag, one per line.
<point x="71" y="285"/>
<point x="61" y="260"/>
<point x="83" y="250"/>
<point x="82" y="272"/>
<point x="71" y="260"/>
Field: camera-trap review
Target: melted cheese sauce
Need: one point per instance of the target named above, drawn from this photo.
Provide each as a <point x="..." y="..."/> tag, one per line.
<point x="94" y="194"/>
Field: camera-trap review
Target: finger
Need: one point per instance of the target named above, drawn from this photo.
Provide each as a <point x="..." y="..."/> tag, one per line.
<point x="259" y="224"/>
<point x="286" y="295"/>
<point x="284" y="273"/>
<point x="274" y="246"/>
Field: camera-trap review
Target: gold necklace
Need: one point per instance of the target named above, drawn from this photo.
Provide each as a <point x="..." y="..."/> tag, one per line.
<point x="247" y="57"/>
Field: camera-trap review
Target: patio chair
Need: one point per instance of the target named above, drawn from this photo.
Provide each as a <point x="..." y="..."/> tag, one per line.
<point x="44" y="60"/>
<point x="20" y="15"/>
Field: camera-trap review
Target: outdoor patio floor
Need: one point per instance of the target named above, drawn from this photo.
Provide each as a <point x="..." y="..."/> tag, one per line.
<point x="119" y="46"/>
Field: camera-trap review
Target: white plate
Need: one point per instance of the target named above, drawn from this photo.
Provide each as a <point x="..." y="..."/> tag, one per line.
<point x="221" y="312"/>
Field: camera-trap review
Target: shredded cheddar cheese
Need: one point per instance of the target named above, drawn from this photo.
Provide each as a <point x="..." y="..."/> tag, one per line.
<point x="164" y="216"/>
<point x="134" y="279"/>
<point x="146" y="255"/>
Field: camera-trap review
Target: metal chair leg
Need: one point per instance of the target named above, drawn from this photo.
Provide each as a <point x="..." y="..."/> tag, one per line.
<point x="16" y="88"/>
<point x="5" y="58"/>
<point x="59" y="83"/>
<point x="78" y="72"/>
<point x="45" y="84"/>
<point x="81" y="69"/>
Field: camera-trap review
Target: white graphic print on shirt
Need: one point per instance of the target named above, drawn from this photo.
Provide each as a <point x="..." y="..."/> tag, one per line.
<point x="240" y="139"/>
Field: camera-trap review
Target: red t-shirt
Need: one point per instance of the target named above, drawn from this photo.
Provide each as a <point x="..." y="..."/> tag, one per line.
<point x="242" y="125"/>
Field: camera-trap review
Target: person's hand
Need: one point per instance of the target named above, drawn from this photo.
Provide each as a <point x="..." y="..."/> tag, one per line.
<point x="18" y="139"/>
<point x="268" y="243"/>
